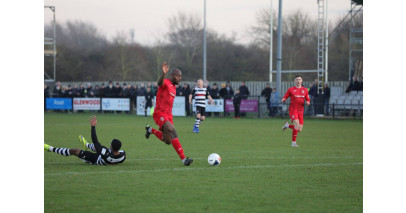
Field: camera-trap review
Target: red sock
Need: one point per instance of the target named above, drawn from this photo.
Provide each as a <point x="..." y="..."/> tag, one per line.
<point x="294" y="135"/>
<point x="291" y="126"/>
<point x="178" y="148"/>
<point x="157" y="133"/>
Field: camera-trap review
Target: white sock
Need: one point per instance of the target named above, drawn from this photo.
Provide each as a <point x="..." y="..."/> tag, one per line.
<point x="183" y="161"/>
<point x="293" y="142"/>
<point x="51" y="148"/>
<point x="150" y="129"/>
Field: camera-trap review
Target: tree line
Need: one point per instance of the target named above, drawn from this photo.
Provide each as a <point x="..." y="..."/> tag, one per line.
<point x="85" y="54"/>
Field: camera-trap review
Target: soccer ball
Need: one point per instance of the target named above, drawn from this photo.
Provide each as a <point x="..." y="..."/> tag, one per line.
<point x="214" y="159"/>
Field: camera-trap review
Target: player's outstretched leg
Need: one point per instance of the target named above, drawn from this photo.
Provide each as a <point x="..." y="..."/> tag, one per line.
<point x="61" y="151"/>
<point x="285" y="126"/>
<point x="149" y="130"/>
<point x="87" y="146"/>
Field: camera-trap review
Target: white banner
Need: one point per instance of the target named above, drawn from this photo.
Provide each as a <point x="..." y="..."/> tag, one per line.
<point x="217" y="107"/>
<point x="86" y="103"/>
<point x="141" y="106"/>
<point x="177" y="110"/>
<point x="119" y="104"/>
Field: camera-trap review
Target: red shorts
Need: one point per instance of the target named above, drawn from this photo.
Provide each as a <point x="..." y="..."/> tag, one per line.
<point x="295" y="114"/>
<point x="161" y="118"/>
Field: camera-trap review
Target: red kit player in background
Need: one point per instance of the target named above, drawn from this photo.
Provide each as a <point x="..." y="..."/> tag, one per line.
<point x="298" y="95"/>
<point x="163" y="112"/>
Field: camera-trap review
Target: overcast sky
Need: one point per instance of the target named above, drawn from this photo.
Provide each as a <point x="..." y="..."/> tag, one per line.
<point x="149" y="18"/>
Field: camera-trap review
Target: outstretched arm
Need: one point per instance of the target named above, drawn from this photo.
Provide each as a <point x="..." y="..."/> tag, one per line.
<point x="93" y="123"/>
<point x="165" y="69"/>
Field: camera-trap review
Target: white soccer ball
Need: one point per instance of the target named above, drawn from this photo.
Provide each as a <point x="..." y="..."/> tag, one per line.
<point x="214" y="159"/>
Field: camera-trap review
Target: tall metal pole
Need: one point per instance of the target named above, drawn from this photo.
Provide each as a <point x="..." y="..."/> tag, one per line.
<point x="204" y="44"/>
<point x="279" y="51"/>
<point x="53" y="9"/>
<point x="270" y="44"/>
<point x="326" y="64"/>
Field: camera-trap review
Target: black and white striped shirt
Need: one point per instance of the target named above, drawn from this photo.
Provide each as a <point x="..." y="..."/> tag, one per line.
<point x="200" y="95"/>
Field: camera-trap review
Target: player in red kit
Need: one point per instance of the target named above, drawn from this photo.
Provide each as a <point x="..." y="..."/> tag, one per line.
<point x="163" y="112"/>
<point x="298" y="97"/>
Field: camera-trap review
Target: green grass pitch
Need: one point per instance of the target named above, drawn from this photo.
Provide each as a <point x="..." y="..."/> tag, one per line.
<point x="259" y="172"/>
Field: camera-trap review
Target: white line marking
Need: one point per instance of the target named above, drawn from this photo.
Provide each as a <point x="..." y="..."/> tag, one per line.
<point x="206" y="168"/>
<point x="159" y="159"/>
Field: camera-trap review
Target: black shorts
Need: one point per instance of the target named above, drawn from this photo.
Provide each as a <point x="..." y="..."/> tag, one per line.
<point x="201" y="110"/>
<point x="148" y="104"/>
<point x="88" y="157"/>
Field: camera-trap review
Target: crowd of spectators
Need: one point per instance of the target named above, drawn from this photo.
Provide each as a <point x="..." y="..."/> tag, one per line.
<point x="111" y="90"/>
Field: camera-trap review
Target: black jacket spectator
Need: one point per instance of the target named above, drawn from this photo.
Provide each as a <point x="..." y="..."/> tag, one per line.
<point x="226" y="92"/>
<point x="266" y="92"/>
<point x="214" y="92"/>
<point x="109" y="90"/>
<point x="57" y="90"/>
<point x="244" y="92"/>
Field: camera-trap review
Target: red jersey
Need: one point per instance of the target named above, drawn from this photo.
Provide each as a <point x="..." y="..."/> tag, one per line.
<point x="164" y="98"/>
<point x="297" y="97"/>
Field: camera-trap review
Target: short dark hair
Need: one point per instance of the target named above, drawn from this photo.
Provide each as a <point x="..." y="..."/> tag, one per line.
<point x="115" y="144"/>
<point x="298" y="75"/>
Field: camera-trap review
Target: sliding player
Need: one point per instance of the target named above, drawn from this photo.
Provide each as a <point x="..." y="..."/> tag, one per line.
<point x="101" y="155"/>
<point x="298" y="96"/>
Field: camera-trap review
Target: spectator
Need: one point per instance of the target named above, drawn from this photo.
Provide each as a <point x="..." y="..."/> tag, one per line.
<point x="237" y="101"/>
<point x="123" y="90"/>
<point x="186" y="92"/>
<point x="109" y="90"/>
<point x="135" y="95"/>
<point x="88" y="92"/>
<point x="215" y="94"/>
<point x="117" y="90"/>
<point x="274" y="102"/>
<point x="69" y="91"/>
<point x="102" y="91"/>
<point x="141" y="90"/>
<point x="178" y="90"/>
<point x="266" y="92"/>
<point x="82" y="90"/>
<point x="75" y="91"/>
<point x="96" y="91"/>
<point x="226" y="92"/>
<point x="354" y="85"/>
<point x="149" y="97"/>
<point x="64" y="93"/>
<point x="326" y="97"/>
<point x="244" y="92"/>
<point x="361" y="84"/>
<point x="129" y="92"/>
<point x="46" y="95"/>
<point x="155" y="88"/>
<point x="57" y="90"/>
<point x="206" y="85"/>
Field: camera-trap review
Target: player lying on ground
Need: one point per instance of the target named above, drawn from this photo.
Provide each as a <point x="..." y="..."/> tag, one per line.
<point x="200" y="94"/>
<point x="101" y="155"/>
<point x="298" y="95"/>
<point x="163" y="112"/>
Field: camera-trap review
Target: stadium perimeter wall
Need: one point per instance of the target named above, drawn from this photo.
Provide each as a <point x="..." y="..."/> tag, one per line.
<point x="255" y="87"/>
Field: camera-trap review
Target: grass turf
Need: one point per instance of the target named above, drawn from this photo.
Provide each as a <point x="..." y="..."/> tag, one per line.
<point x="259" y="172"/>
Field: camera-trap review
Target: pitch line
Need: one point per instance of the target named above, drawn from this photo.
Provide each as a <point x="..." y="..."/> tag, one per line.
<point x="208" y="167"/>
<point x="160" y="159"/>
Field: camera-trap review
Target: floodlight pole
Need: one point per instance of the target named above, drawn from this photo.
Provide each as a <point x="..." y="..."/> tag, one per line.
<point x="53" y="40"/>
<point x="270" y="43"/>
<point x="279" y="51"/>
<point x="204" y="44"/>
